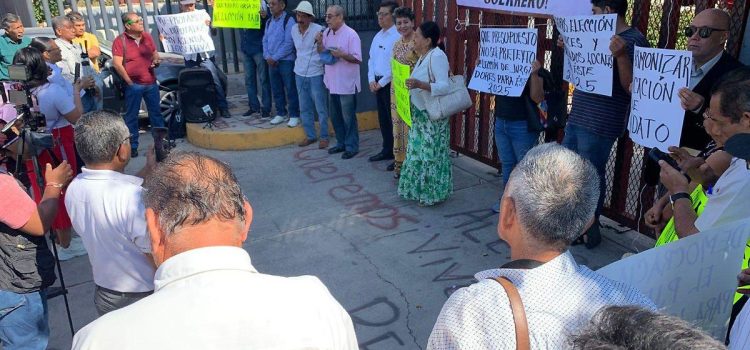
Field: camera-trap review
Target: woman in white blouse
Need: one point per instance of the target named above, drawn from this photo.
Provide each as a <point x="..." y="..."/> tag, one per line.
<point x="426" y="175"/>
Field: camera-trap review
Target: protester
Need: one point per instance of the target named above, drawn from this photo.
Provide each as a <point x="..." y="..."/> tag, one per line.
<point x="596" y="121"/>
<point x="514" y="136"/>
<point x="207" y="60"/>
<point x="341" y="44"/>
<point x="27" y="266"/>
<point x="208" y="294"/>
<point x="278" y="50"/>
<point x="635" y="328"/>
<point x="707" y="35"/>
<point x="549" y="200"/>
<point x="313" y="96"/>
<point x="256" y="69"/>
<point x="106" y="209"/>
<point x="84" y="39"/>
<point x="71" y="57"/>
<point x="427" y="172"/>
<point x="379" y="75"/>
<point x="10" y="42"/>
<point x="61" y="109"/>
<point x="134" y="58"/>
<point x="404" y="53"/>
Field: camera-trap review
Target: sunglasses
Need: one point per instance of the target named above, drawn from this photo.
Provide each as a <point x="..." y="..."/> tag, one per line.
<point x="703" y="32"/>
<point x="137" y="20"/>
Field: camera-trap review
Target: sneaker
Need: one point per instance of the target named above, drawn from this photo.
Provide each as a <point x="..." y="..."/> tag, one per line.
<point x="265" y="116"/>
<point x="278" y="120"/>
<point x="293" y="122"/>
<point x="249" y="112"/>
<point x="225" y="113"/>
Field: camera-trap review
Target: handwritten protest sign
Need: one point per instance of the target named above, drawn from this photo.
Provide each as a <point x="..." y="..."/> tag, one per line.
<point x="538" y="7"/>
<point x="237" y="14"/>
<point x="401" y="72"/>
<point x="588" y="60"/>
<point x="185" y="33"/>
<point x="505" y="57"/>
<point x="655" y="113"/>
<point x="693" y="278"/>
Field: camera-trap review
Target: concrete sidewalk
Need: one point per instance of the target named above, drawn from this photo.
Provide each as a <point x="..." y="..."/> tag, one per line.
<point x="391" y="263"/>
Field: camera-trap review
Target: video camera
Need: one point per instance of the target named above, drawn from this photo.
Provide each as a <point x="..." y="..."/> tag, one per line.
<point x="20" y="95"/>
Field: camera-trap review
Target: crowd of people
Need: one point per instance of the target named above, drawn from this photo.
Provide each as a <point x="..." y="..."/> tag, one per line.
<point x="165" y="244"/>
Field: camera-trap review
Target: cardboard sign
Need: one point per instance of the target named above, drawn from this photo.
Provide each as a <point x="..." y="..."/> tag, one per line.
<point x="505" y="57"/>
<point x="655" y="113"/>
<point x="533" y="7"/>
<point x="185" y="33"/>
<point x="401" y="72"/>
<point x="237" y="14"/>
<point x="588" y="60"/>
<point x="693" y="278"/>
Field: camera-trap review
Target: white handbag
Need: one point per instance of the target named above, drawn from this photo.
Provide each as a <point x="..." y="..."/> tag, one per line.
<point x="456" y="100"/>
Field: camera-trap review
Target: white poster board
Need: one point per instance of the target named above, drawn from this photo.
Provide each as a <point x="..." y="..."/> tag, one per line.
<point x="656" y="116"/>
<point x="693" y="278"/>
<point x="505" y="57"/>
<point x="185" y="33"/>
<point x="588" y="60"/>
<point x="538" y="7"/>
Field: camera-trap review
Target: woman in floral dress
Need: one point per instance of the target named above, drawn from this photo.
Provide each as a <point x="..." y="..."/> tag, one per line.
<point x="403" y="52"/>
<point x="426" y="175"/>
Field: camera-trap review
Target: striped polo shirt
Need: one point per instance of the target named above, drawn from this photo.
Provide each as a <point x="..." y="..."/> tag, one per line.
<point x="604" y="115"/>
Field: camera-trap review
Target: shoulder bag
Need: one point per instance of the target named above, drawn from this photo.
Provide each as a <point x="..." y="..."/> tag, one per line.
<point x="456" y="100"/>
<point x="519" y="314"/>
<point x="118" y="82"/>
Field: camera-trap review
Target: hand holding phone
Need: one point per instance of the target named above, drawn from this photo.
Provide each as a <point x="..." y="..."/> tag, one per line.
<point x="162" y="147"/>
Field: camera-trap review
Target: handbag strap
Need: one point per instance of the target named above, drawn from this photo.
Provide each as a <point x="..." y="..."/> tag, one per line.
<point x="519" y="315"/>
<point x="429" y="68"/>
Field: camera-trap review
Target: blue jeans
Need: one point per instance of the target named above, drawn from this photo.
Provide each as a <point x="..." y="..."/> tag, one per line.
<point x="313" y="95"/>
<point x="512" y="139"/>
<point x="133" y="95"/>
<point x="594" y="148"/>
<point x="210" y="64"/>
<point x="343" y="113"/>
<point x="23" y="320"/>
<point x="256" y="68"/>
<point x="284" y="89"/>
<point x="89" y="103"/>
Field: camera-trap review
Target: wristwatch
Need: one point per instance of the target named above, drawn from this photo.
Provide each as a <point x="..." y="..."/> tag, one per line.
<point x="677" y="196"/>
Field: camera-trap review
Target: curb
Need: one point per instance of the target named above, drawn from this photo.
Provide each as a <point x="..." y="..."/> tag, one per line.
<point x="257" y="138"/>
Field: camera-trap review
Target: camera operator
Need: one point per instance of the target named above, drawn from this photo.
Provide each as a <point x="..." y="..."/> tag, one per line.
<point x="60" y="109"/>
<point x="26" y="263"/>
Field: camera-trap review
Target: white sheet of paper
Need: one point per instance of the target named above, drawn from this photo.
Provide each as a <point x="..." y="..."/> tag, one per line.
<point x="185" y="33"/>
<point x="588" y="60"/>
<point x="693" y="278"/>
<point x="541" y="7"/>
<point x="656" y="115"/>
<point x="505" y="57"/>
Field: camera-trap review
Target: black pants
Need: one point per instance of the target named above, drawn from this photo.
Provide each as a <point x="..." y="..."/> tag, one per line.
<point x="383" y="97"/>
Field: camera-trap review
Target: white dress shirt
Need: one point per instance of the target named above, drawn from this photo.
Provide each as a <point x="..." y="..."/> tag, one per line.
<point x="381" y="54"/>
<point x="434" y="62"/>
<point x="213" y="298"/>
<point x="308" y="62"/>
<point x="559" y="298"/>
<point x="71" y="55"/>
<point x="727" y="199"/>
<point x="106" y="210"/>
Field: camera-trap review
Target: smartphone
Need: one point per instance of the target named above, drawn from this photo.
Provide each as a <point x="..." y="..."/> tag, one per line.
<point x="656" y="155"/>
<point x="161" y="143"/>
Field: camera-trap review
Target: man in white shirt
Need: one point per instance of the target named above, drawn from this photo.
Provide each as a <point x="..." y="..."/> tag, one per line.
<point x="313" y="95"/>
<point x="207" y="60"/>
<point x="71" y="57"/>
<point x="549" y="200"/>
<point x="379" y="75"/>
<point x="106" y="210"/>
<point x="208" y="294"/>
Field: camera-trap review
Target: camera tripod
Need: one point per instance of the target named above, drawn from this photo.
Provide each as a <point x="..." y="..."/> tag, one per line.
<point x="24" y="135"/>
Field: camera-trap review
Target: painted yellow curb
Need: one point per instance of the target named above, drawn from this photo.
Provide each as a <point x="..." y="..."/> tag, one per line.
<point x="257" y="138"/>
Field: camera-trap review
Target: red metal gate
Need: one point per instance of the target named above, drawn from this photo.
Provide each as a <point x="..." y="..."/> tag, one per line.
<point x="472" y="131"/>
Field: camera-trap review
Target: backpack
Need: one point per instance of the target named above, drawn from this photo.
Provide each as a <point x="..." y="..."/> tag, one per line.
<point x="286" y="20"/>
<point x="552" y="112"/>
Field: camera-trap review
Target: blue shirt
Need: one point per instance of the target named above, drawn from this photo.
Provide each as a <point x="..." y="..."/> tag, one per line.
<point x="251" y="41"/>
<point x="8" y="49"/>
<point x="604" y="115"/>
<point x="277" y="41"/>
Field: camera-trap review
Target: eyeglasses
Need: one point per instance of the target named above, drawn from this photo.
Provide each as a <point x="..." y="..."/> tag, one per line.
<point x="137" y="20"/>
<point x="383" y="14"/>
<point x="703" y="32"/>
<point x="329" y="16"/>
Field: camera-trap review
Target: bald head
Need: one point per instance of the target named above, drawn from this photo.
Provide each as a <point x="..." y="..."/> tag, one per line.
<point x="716" y="17"/>
<point x="715" y="23"/>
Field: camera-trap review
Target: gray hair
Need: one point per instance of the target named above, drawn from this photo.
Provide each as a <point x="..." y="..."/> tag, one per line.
<point x="190" y="188"/>
<point x="555" y="193"/>
<point x="75" y="16"/>
<point x="98" y="136"/>
<point x="339" y="10"/>
<point x="59" y="22"/>
<point x="734" y="89"/>
<point x="8" y="19"/>
<point x="632" y="327"/>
